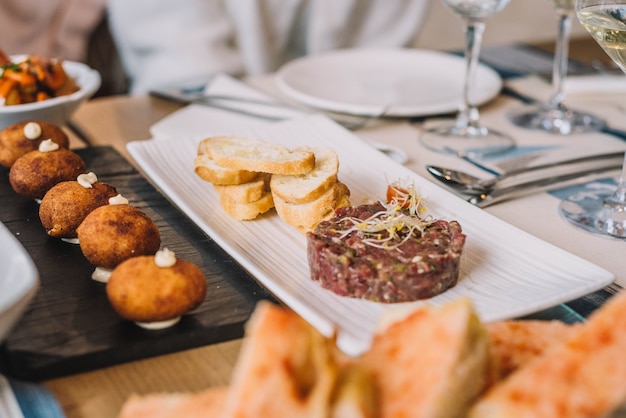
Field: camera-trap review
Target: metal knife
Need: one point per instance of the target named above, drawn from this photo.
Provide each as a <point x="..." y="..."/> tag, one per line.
<point x="499" y="195"/>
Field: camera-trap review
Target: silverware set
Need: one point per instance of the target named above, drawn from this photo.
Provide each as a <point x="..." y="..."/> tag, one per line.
<point x="483" y="192"/>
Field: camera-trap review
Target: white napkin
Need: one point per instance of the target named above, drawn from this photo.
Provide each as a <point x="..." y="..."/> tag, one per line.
<point x="573" y="86"/>
<point x="198" y="121"/>
<point x="595" y="84"/>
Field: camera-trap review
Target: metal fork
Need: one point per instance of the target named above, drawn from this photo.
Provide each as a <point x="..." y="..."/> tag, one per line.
<point x="350" y="122"/>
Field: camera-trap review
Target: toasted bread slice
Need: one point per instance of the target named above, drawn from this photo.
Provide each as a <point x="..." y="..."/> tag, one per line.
<point x="355" y="395"/>
<point x="209" y="170"/>
<point x="432" y="363"/>
<point x="246" y="192"/>
<point x="208" y="403"/>
<point x="305" y="216"/>
<point x="514" y="343"/>
<point x="285" y="368"/>
<point x="254" y="155"/>
<point x="248" y="210"/>
<point x="583" y="377"/>
<point x="304" y="188"/>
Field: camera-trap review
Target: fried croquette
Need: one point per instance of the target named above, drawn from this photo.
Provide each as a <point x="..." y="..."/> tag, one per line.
<point x="36" y="172"/>
<point x="154" y="295"/>
<point x="111" y="234"/>
<point x="66" y="205"/>
<point x="24" y="137"/>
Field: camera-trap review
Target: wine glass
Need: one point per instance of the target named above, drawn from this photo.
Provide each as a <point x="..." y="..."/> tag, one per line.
<point x="554" y="116"/>
<point x="602" y="213"/>
<point x="466" y="135"/>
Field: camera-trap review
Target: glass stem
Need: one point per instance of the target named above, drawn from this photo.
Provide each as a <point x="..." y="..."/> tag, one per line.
<point x="618" y="198"/>
<point x="468" y="115"/>
<point x="559" y="69"/>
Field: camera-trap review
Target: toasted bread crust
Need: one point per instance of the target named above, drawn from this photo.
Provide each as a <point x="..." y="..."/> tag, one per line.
<point x="426" y="362"/>
<point x="443" y="376"/>
<point x="305" y="216"/>
<point x="515" y="343"/>
<point x="254" y="155"/>
<point x="247" y="211"/>
<point x="208" y="403"/>
<point x="303" y="182"/>
<point x="209" y="170"/>
<point x="582" y="377"/>
<point x="308" y="187"/>
<point x="245" y="192"/>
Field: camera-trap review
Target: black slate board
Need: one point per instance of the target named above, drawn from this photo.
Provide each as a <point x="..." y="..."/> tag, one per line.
<point x="70" y="326"/>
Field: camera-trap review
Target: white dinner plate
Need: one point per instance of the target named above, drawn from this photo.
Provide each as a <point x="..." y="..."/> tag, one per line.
<point x="505" y="272"/>
<point x="400" y="82"/>
<point x="19" y="280"/>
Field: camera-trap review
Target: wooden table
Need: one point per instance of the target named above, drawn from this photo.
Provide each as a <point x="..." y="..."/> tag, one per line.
<point x="116" y="121"/>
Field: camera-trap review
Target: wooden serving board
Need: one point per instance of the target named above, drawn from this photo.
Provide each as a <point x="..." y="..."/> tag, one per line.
<point x="70" y="326"/>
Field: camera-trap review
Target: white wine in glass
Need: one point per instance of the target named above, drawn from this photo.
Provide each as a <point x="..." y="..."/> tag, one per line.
<point x="604" y="214"/>
<point x="554" y="116"/>
<point x="466" y="134"/>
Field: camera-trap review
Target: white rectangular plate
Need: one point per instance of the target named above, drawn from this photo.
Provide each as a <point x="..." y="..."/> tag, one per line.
<point x="505" y="272"/>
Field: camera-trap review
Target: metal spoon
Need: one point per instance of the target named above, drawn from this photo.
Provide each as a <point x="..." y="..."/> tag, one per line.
<point x="466" y="183"/>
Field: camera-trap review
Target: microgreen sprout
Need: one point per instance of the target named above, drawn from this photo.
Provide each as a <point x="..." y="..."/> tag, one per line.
<point x="403" y="216"/>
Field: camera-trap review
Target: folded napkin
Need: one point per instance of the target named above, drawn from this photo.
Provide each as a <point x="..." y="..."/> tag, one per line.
<point x="595" y="84"/>
<point x="574" y="86"/>
<point x="198" y="121"/>
<point x="27" y="400"/>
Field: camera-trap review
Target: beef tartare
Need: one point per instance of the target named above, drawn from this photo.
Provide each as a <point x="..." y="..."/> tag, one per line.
<point x="385" y="253"/>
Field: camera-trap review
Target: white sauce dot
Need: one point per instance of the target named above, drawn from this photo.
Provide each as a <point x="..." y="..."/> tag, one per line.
<point x="165" y="258"/>
<point x="48" y="145"/>
<point x="102" y="275"/>
<point x="159" y="324"/>
<point x="118" y="200"/>
<point x="32" y="130"/>
<point x="87" y="180"/>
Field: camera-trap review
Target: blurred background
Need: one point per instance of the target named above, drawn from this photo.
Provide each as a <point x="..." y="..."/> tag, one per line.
<point x="521" y="21"/>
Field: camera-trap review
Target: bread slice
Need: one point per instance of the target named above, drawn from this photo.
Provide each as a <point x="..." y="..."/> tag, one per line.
<point x="254" y="155"/>
<point x="355" y="395"/>
<point x="304" y="188"/>
<point x="583" y="377"/>
<point x="514" y="343"/>
<point x="246" y="192"/>
<point x="208" y="403"/>
<point x="245" y="211"/>
<point x="432" y="363"/>
<point x="209" y="170"/>
<point x="285" y="368"/>
<point x="305" y="216"/>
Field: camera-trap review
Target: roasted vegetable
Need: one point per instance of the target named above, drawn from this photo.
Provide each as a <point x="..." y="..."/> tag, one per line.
<point x="33" y="79"/>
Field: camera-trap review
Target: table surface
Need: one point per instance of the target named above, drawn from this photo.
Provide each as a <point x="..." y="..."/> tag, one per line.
<point x="115" y="121"/>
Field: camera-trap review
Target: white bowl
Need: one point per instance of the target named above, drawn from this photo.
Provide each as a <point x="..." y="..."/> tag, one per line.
<point x="19" y="280"/>
<point x="56" y="110"/>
